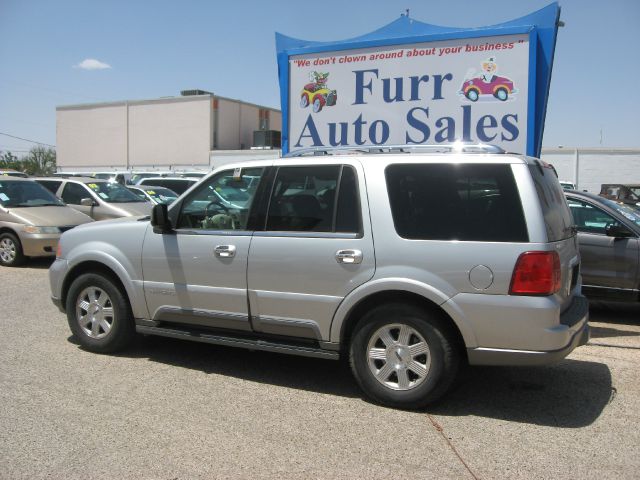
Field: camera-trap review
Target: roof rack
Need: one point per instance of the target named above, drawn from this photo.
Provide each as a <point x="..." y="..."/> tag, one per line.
<point x="457" y="147"/>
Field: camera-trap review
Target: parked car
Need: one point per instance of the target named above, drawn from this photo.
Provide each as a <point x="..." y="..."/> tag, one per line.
<point x="122" y="178"/>
<point x="178" y="185"/>
<point x="12" y="173"/>
<point x="31" y="220"/>
<point x="138" y="176"/>
<point x="474" y="260"/>
<point x="608" y="233"/>
<point x="100" y="199"/>
<point x="154" y="194"/>
<point x="567" y="185"/>
<point x="626" y="193"/>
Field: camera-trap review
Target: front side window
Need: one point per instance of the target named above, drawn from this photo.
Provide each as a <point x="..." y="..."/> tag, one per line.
<point x="590" y="219"/>
<point x="73" y="193"/>
<point x="456" y="202"/>
<point x="221" y="203"/>
<point x="315" y="199"/>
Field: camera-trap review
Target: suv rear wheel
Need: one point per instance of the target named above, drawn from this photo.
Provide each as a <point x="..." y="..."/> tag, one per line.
<point x="403" y="356"/>
<point x="99" y="314"/>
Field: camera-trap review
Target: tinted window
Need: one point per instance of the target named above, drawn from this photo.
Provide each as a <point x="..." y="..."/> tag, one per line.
<point x="178" y="186"/>
<point x="73" y="193"/>
<point x="25" y="194"/>
<point x="220" y="203"/>
<point x="51" y="185"/>
<point x="456" y="202"/>
<point x="557" y="217"/>
<point x="113" y="192"/>
<point x="305" y="199"/>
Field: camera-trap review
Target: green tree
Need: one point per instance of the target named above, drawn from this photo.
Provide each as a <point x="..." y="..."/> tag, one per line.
<point x="9" y="161"/>
<point x="39" y="161"/>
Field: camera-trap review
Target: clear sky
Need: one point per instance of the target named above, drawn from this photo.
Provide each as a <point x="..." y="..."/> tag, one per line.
<point x="57" y="53"/>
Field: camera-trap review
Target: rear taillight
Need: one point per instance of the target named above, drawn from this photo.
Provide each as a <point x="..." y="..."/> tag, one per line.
<point x="59" y="251"/>
<point x="536" y="273"/>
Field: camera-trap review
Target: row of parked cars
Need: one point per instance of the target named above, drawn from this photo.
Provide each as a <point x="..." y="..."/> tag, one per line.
<point x="35" y="211"/>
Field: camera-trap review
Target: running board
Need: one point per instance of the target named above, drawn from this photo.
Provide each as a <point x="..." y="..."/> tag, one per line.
<point x="229" y="341"/>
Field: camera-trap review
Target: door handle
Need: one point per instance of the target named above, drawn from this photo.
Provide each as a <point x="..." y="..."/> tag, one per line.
<point x="349" y="256"/>
<point x="225" y="251"/>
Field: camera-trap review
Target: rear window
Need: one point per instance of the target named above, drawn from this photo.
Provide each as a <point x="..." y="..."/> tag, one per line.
<point x="557" y="216"/>
<point x="456" y="202"/>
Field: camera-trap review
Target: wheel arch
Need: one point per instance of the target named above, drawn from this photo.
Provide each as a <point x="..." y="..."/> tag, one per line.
<point x="342" y="333"/>
<point x="97" y="267"/>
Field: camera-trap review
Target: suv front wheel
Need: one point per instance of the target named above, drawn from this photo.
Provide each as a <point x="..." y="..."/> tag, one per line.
<point x="99" y="314"/>
<point x="402" y="356"/>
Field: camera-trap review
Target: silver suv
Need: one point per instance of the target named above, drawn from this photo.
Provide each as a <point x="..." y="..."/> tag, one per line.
<point x="406" y="261"/>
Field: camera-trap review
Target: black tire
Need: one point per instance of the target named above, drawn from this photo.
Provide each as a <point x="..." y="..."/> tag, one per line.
<point x="501" y="94"/>
<point x="122" y="327"/>
<point x="444" y="355"/>
<point x="15" y="257"/>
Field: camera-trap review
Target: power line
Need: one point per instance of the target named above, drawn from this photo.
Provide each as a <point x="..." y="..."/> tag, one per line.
<point x="27" y="140"/>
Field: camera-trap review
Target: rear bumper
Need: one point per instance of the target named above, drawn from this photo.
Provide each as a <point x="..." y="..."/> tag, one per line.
<point x="574" y="321"/>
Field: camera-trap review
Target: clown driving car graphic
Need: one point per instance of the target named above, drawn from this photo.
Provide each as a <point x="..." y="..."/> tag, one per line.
<point x="487" y="83"/>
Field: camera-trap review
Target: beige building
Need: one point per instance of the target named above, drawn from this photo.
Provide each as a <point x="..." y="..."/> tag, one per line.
<point x="175" y="132"/>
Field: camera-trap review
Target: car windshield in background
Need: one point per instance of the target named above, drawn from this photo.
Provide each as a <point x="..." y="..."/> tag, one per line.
<point x="161" y="194"/>
<point x="627" y="211"/>
<point x="139" y="176"/>
<point x="114" y="193"/>
<point x="26" y="194"/>
<point x="103" y="176"/>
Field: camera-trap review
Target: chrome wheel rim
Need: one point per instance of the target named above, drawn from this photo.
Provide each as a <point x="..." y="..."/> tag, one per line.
<point x="398" y="357"/>
<point x="7" y="250"/>
<point x="94" y="311"/>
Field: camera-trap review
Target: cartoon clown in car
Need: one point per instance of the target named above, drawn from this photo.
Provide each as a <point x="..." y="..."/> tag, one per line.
<point x="317" y="93"/>
<point x="488" y="83"/>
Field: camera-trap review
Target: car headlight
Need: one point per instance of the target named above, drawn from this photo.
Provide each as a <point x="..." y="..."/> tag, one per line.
<point x="32" y="229"/>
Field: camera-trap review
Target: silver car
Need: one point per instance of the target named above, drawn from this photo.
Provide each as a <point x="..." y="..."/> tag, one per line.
<point x="100" y="199"/>
<point x="31" y="220"/>
<point x="409" y="262"/>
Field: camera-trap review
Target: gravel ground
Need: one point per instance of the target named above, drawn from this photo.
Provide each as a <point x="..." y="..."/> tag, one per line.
<point x="167" y="409"/>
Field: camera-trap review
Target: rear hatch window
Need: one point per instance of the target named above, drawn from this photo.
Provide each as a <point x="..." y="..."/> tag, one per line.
<point x="557" y="216"/>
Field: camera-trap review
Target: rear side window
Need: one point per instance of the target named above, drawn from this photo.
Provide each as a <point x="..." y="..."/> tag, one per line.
<point x="322" y="198"/>
<point x="456" y="202"/>
<point x="557" y="217"/>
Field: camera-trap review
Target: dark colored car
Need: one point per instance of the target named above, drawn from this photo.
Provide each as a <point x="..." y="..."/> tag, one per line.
<point x="608" y="233"/>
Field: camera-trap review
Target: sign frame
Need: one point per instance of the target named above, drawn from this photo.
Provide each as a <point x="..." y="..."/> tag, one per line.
<point x="540" y="27"/>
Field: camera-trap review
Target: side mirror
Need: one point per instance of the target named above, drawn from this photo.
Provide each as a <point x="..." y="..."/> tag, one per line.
<point x="88" y="202"/>
<point x="160" y="219"/>
<point x="618" y="231"/>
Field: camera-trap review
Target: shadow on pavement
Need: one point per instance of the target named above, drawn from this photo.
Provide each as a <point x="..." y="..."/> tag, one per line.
<point x="38" y="263"/>
<point x="614" y="312"/>
<point x="604" y="332"/>
<point x="571" y="394"/>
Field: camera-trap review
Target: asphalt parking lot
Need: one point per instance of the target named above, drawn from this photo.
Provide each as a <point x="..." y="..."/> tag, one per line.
<point x="167" y="409"/>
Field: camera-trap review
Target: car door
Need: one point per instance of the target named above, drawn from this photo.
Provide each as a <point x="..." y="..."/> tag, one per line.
<point x="316" y="248"/>
<point x="197" y="274"/>
<point x="606" y="262"/>
<point x="73" y="193"/>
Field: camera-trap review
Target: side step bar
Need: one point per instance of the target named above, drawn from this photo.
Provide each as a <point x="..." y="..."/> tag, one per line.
<point x="217" y="339"/>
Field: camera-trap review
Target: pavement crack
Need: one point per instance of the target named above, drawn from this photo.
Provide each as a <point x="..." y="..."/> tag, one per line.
<point x="440" y="430"/>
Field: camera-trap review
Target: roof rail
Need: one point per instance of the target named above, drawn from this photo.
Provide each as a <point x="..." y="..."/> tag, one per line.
<point x="457" y="147"/>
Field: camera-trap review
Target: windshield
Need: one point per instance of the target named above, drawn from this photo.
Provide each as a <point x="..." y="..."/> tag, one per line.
<point x="114" y="193"/>
<point x="26" y="194"/>
<point x="629" y="212"/>
<point x="161" y="194"/>
<point x="103" y="176"/>
<point x="139" y="176"/>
